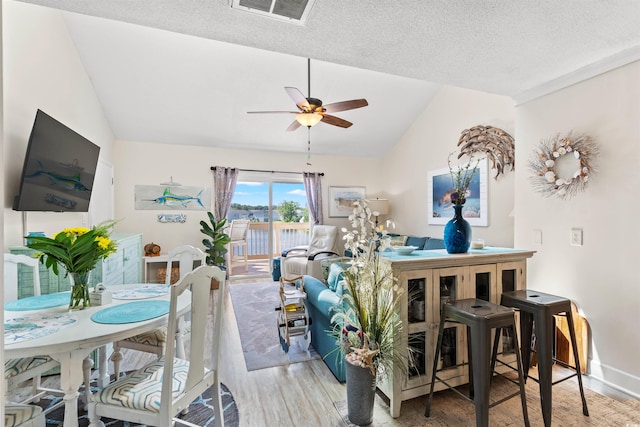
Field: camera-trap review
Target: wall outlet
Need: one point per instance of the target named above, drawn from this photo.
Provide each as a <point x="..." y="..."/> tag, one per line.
<point x="576" y="237"/>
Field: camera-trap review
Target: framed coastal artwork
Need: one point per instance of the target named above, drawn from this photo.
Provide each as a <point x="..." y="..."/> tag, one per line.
<point x="163" y="197"/>
<point x="440" y="187"/>
<point x="341" y="200"/>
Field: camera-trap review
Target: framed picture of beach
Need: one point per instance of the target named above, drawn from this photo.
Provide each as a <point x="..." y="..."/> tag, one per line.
<point x="165" y="197"/>
<point x="439" y="206"/>
<point x="341" y="200"/>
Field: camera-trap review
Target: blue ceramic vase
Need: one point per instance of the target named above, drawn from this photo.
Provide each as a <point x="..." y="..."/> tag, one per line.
<point x="457" y="233"/>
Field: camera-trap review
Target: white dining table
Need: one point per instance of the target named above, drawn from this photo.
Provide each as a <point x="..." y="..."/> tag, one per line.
<point x="71" y="345"/>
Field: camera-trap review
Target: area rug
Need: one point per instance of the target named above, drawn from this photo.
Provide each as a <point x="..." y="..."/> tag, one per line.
<point x="200" y="412"/>
<point x="254" y="306"/>
<point x="449" y="409"/>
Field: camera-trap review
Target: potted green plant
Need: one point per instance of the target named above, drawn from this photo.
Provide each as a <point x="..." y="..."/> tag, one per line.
<point x="216" y="243"/>
<point x="368" y="316"/>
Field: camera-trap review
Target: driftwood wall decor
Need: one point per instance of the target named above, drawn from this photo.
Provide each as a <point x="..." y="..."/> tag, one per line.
<point x="497" y="145"/>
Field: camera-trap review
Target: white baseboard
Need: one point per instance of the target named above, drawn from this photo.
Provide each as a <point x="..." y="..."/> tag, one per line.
<point x="615" y="378"/>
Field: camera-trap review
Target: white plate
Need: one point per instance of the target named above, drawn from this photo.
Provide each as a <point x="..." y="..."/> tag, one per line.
<point x="404" y="250"/>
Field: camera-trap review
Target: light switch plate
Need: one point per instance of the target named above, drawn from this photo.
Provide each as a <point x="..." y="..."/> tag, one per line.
<point x="576" y="237"/>
<point x="537" y="237"/>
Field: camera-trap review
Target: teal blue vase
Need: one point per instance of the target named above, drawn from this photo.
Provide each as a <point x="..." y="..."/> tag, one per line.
<point x="457" y="233"/>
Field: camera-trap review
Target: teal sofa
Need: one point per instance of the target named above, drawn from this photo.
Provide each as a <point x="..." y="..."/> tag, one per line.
<point x="323" y="299"/>
<point x="321" y="304"/>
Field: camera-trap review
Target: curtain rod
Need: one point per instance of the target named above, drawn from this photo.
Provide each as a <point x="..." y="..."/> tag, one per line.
<point x="258" y="170"/>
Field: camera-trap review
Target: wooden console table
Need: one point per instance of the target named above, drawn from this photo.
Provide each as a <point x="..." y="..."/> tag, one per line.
<point x="430" y="278"/>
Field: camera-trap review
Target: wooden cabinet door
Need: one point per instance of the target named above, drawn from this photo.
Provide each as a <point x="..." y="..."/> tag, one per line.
<point x="483" y="282"/>
<point x="450" y="284"/>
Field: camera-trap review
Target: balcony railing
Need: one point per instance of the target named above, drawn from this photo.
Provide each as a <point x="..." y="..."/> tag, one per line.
<point x="285" y="235"/>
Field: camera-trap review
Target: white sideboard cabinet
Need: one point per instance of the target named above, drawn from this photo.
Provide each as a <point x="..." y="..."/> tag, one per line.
<point x="428" y="280"/>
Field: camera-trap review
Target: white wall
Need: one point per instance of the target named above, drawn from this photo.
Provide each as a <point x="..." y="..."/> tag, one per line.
<point x="1" y="195"/>
<point x="42" y="70"/>
<point x="602" y="276"/>
<point x="150" y="164"/>
<point x="426" y="147"/>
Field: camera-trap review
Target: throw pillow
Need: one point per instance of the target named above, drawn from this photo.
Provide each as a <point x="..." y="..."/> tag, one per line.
<point x="328" y="262"/>
<point x="398" y="240"/>
<point x="336" y="272"/>
<point x="340" y="288"/>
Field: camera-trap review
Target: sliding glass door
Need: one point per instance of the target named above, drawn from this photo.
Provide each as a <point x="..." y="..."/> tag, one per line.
<point x="276" y="206"/>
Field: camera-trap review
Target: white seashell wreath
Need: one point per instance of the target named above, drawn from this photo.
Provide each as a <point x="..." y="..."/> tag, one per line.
<point x="543" y="163"/>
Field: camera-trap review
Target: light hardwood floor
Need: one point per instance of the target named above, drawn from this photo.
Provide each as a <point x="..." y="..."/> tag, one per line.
<point x="300" y="394"/>
<point x="303" y="394"/>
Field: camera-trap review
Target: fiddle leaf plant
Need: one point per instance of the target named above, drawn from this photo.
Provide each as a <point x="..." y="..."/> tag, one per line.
<point x="216" y="244"/>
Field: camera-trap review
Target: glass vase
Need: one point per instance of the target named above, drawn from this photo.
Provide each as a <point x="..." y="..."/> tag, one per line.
<point x="80" y="290"/>
<point x="457" y="233"/>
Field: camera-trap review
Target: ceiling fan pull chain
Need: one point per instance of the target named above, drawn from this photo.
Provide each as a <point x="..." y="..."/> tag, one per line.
<point x="309" y="146"/>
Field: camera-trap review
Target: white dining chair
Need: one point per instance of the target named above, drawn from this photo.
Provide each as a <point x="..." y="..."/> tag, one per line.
<point x="155" y="341"/>
<point x="17" y="371"/>
<point x="238" y="235"/>
<point x="158" y="392"/>
<point x="19" y="415"/>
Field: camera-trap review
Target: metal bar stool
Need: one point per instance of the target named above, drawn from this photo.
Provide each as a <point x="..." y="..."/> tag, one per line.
<point x="537" y="308"/>
<point x="480" y="317"/>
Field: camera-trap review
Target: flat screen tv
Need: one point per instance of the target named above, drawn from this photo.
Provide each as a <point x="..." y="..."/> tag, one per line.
<point x="58" y="170"/>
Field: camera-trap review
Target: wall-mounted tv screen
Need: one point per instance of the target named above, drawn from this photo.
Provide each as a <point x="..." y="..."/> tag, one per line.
<point x="58" y="170"/>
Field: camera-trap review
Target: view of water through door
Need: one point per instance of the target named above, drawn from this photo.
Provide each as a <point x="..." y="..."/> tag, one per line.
<point x="279" y="219"/>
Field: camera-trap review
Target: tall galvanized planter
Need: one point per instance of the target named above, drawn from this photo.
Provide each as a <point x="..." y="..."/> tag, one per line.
<point x="361" y="393"/>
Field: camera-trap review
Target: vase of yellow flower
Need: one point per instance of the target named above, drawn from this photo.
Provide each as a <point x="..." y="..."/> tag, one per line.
<point x="77" y="250"/>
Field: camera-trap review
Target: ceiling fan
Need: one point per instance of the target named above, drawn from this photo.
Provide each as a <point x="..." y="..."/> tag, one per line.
<point x="311" y="111"/>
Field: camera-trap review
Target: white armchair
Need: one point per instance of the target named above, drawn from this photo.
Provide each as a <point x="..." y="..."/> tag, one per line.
<point x="302" y="260"/>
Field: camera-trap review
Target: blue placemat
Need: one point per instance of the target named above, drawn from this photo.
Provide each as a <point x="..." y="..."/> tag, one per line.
<point x="39" y="302"/>
<point x="131" y="312"/>
<point x="413" y="255"/>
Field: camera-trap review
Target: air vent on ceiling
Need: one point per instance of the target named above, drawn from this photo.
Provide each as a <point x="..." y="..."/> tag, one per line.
<point x="294" y="11"/>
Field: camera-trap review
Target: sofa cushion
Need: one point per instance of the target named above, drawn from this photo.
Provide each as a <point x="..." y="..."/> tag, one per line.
<point x="433" y="243"/>
<point x="336" y="273"/>
<point x="418" y="242"/>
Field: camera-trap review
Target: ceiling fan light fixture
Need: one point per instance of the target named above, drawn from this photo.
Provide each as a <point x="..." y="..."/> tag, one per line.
<point x="308" y="119"/>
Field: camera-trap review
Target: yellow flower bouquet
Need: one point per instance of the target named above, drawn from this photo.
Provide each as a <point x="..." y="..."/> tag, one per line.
<point x="78" y="250"/>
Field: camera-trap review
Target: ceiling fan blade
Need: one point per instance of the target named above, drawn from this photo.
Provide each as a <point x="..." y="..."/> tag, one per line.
<point x="298" y="98"/>
<point x="336" y="121"/>
<point x="293" y="126"/>
<point x="272" y="112"/>
<point x="345" y="105"/>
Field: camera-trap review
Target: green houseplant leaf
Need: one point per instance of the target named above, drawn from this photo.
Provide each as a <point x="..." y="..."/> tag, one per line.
<point x="216" y="244"/>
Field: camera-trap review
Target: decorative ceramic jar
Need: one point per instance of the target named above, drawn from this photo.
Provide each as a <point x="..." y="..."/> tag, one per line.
<point x="457" y="233"/>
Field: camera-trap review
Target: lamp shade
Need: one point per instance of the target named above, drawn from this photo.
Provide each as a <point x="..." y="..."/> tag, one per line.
<point x="308" y="119"/>
<point x="379" y="205"/>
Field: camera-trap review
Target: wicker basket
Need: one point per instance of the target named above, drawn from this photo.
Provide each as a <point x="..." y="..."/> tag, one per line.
<point x="162" y="275"/>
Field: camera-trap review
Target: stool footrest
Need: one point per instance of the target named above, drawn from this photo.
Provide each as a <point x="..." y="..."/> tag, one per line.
<point x="455" y="390"/>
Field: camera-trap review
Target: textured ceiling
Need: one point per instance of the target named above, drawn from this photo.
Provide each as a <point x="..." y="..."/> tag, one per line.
<point x="187" y="72"/>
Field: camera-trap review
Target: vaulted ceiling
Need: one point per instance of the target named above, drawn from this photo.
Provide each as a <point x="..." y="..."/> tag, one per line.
<point x="187" y="72"/>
